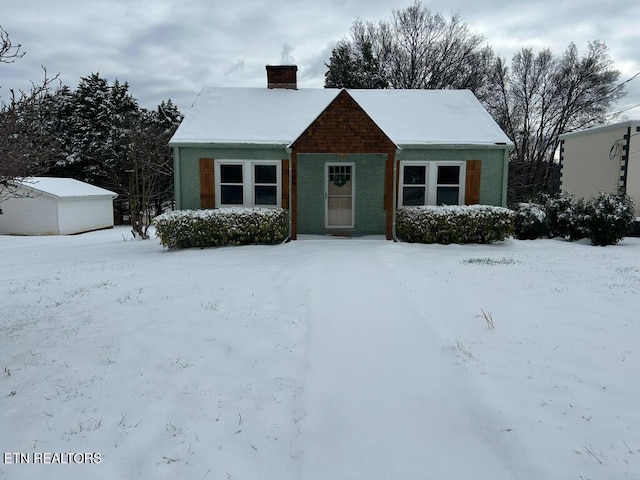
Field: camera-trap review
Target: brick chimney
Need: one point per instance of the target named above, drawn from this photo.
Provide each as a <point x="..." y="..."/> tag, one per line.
<point x="282" y="76"/>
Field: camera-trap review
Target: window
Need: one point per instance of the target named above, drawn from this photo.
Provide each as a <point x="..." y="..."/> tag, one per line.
<point x="247" y="183"/>
<point x="432" y="183"/>
<point x="231" y="185"/>
<point x="265" y="180"/>
<point x="448" y="185"/>
<point x="414" y="189"/>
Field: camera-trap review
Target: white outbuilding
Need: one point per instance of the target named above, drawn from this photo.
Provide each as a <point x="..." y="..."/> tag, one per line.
<point x="603" y="158"/>
<point x="56" y="206"/>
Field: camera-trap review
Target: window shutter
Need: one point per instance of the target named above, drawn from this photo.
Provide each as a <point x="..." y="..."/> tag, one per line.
<point x="472" y="183"/>
<point x="285" y="184"/>
<point x="207" y="184"/>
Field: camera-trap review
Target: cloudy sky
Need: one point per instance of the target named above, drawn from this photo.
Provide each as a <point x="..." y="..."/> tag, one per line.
<point x="171" y="48"/>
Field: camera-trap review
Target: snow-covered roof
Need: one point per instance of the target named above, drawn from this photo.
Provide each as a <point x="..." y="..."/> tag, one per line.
<point x="251" y="115"/>
<point x="601" y="129"/>
<point x="416" y="117"/>
<point x="278" y="116"/>
<point x="64" y="187"/>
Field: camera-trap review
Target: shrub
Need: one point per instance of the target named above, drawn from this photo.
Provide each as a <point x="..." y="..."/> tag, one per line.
<point x="530" y="221"/>
<point x="454" y="224"/>
<point x="567" y="216"/>
<point x="611" y="218"/>
<point x="221" y="227"/>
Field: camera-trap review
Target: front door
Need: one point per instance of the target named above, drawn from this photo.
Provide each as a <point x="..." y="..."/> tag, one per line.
<point x="339" y="195"/>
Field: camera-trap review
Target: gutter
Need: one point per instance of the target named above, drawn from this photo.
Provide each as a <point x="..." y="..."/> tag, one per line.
<point x="453" y="145"/>
<point x="230" y="144"/>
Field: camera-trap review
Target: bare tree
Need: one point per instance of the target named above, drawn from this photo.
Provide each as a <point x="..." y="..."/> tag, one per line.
<point x="144" y="172"/>
<point x="431" y="52"/>
<point x="535" y="99"/>
<point x="8" y="51"/>
<point x="418" y="49"/>
<point x="542" y="96"/>
<point x="149" y="163"/>
<point x="8" y="121"/>
<point x="26" y="142"/>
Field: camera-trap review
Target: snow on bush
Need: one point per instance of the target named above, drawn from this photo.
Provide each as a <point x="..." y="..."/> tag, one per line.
<point x="605" y="219"/>
<point x="611" y="218"/>
<point x="567" y="216"/>
<point x="454" y="224"/>
<point x="221" y="227"/>
<point x="530" y="221"/>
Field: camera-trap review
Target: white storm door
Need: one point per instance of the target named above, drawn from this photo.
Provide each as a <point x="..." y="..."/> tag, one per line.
<point x="339" y="195"/>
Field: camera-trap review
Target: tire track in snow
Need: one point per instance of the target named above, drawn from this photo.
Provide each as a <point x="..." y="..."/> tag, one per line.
<point x="378" y="396"/>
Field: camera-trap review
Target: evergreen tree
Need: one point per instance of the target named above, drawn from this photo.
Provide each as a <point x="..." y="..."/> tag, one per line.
<point x="124" y="113"/>
<point x="60" y="107"/>
<point x="354" y="66"/>
<point x="341" y="67"/>
<point x="369" y="68"/>
<point x="96" y="133"/>
<point x="168" y="116"/>
<point x="90" y="129"/>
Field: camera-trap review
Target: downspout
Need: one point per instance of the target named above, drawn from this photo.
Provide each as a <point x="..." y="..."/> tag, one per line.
<point x="505" y="176"/>
<point x="394" y="200"/>
<point x="289" y="150"/>
<point x="176" y="177"/>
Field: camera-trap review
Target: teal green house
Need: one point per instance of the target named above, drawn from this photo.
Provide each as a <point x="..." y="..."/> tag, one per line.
<point x="339" y="161"/>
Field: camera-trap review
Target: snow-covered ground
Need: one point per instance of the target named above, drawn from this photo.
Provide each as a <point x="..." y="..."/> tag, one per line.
<point x="318" y="359"/>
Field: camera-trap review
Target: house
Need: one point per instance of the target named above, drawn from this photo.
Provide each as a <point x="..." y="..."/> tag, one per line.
<point x="56" y="206"/>
<point x="340" y="161"/>
<point x="602" y="159"/>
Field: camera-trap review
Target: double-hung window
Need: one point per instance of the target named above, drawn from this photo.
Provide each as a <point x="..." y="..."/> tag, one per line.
<point x="231" y="184"/>
<point x="448" y="182"/>
<point x="265" y="184"/>
<point x="247" y="183"/>
<point x="431" y="183"/>
<point x="414" y="184"/>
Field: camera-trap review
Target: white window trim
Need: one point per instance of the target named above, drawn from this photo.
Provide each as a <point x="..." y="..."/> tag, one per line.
<point x="432" y="179"/>
<point x="427" y="174"/>
<point x="248" y="182"/>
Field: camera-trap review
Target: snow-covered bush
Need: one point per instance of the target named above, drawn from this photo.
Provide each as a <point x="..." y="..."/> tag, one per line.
<point x="605" y="219"/>
<point x="611" y="218"/>
<point x="567" y="216"/>
<point x="454" y="224"/>
<point x="221" y="227"/>
<point x="530" y="221"/>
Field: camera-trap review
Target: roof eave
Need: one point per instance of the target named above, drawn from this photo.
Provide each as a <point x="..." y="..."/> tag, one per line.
<point x="288" y="144"/>
<point x="230" y="143"/>
<point x="458" y="145"/>
<point x="37" y="191"/>
<point x="600" y="129"/>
